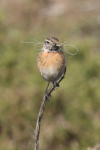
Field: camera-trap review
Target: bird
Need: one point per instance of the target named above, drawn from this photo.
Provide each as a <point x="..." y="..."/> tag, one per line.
<point x="51" y="61"/>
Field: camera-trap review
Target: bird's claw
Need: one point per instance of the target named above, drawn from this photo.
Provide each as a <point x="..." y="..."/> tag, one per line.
<point x="56" y="84"/>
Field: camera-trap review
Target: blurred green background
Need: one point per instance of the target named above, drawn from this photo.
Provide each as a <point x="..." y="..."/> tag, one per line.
<point x="71" y="119"/>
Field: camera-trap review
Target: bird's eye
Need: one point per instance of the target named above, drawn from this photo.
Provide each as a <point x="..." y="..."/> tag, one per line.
<point x="47" y="42"/>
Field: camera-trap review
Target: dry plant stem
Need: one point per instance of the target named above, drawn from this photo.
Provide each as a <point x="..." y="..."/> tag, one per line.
<point x="45" y="98"/>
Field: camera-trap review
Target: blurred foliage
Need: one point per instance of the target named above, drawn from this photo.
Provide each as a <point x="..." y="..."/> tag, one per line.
<point x="73" y="123"/>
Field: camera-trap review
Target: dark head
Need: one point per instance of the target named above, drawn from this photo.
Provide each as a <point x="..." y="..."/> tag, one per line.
<point x="51" y="44"/>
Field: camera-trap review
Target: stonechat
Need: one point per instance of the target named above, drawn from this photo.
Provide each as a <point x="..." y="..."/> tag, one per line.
<point x="51" y="60"/>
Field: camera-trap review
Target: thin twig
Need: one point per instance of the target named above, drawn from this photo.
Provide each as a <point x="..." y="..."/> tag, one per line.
<point x="38" y="123"/>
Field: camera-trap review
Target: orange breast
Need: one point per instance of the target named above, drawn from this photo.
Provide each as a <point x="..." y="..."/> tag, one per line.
<point x="51" y="64"/>
<point x="47" y="59"/>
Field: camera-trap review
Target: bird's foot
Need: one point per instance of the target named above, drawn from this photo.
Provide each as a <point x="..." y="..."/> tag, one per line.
<point x="55" y="84"/>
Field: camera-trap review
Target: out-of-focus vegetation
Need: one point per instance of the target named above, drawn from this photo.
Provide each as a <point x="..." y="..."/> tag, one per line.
<point x="72" y="117"/>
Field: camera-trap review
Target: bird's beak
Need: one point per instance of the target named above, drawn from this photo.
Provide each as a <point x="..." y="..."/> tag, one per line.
<point x="44" y="45"/>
